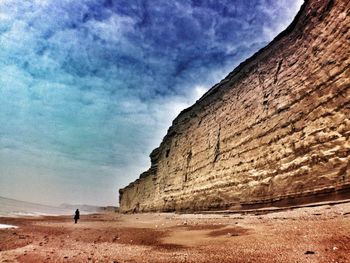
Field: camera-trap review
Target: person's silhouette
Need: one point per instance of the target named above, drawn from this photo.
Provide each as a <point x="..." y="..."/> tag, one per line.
<point x="76" y="216"/>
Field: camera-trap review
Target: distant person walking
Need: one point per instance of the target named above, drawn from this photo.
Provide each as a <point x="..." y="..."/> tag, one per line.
<point x="76" y="216"/>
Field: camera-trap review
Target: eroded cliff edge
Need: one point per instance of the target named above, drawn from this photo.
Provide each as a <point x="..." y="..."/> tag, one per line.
<point x="275" y="131"/>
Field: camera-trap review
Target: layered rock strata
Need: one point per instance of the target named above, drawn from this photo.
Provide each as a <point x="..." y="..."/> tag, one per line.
<point x="274" y="132"/>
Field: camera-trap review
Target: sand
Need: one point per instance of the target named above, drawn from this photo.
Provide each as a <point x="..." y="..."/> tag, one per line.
<point x="310" y="234"/>
<point x="7" y="226"/>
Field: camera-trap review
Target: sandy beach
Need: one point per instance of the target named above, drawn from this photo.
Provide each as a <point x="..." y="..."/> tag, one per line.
<point x="310" y="234"/>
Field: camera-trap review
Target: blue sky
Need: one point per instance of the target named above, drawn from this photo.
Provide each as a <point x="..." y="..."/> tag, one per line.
<point x="89" y="87"/>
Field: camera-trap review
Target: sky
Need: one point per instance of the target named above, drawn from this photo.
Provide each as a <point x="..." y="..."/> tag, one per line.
<point x="89" y="87"/>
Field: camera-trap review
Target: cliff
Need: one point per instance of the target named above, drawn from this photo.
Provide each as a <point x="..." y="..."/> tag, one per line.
<point x="274" y="132"/>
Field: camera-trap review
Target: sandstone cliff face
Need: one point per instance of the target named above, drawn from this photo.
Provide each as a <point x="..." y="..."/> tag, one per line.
<point x="275" y="131"/>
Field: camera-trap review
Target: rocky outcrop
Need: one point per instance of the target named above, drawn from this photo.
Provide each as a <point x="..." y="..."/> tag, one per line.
<point x="275" y="131"/>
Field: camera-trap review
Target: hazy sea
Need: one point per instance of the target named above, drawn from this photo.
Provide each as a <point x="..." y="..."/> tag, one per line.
<point x="11" y="207"/>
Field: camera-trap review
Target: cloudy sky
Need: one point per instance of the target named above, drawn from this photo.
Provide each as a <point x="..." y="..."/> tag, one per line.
<point x="89" y="87"/>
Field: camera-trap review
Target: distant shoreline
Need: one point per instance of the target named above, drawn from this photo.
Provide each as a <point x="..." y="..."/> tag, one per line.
<point x="15" y="208"/>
